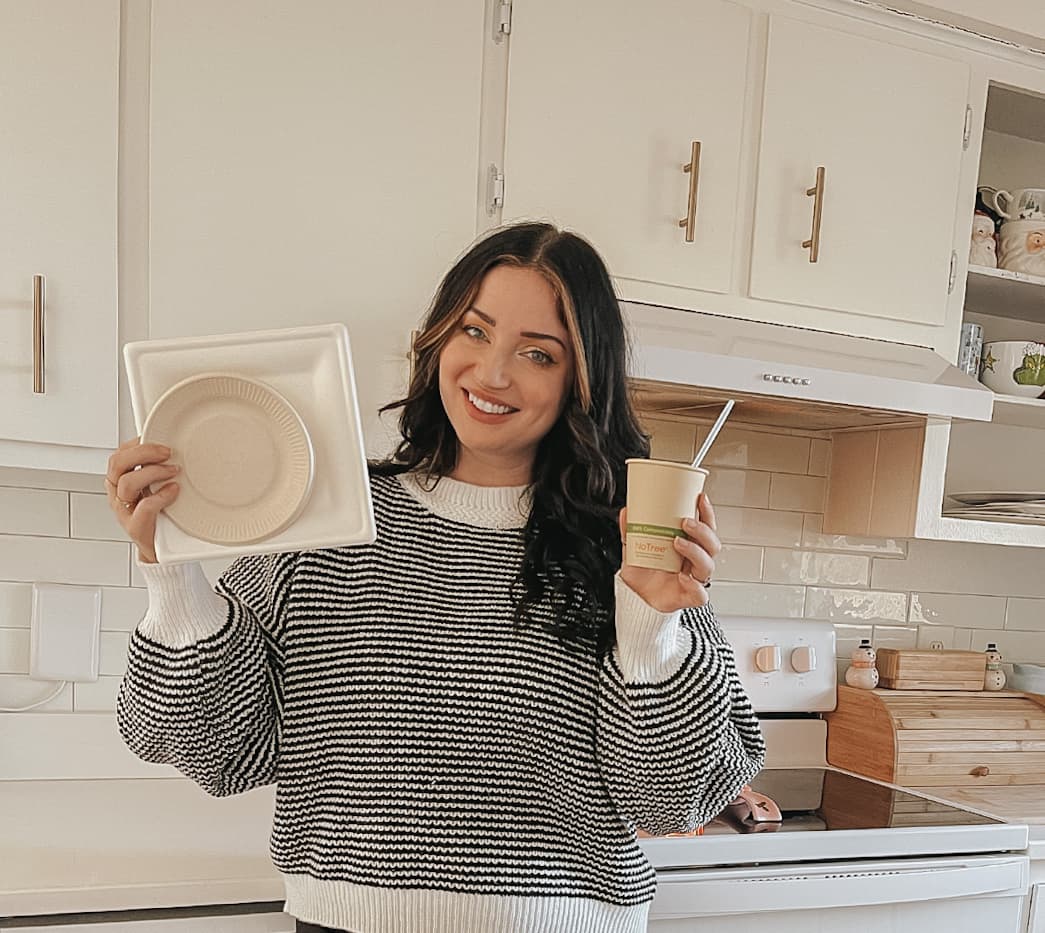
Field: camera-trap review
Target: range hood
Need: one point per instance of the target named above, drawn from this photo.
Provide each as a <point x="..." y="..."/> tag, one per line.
<point x="688" y="363"/>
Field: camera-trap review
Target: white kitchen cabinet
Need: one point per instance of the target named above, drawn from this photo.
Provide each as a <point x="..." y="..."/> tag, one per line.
<point x="605" y="102"/>
<point x="59" y="113"/>
<point x="886" y="122"/>
<point x="312" y="162"/>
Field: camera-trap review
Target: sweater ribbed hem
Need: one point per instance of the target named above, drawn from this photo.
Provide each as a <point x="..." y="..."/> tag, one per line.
<point x="651" y="645"/>
<point x="497" y="507"/>
<point x="363" y="909"/>
<point x="183" y="607"/>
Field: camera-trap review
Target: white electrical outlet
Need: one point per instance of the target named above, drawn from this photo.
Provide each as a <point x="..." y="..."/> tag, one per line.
<point x="63" y="640"/>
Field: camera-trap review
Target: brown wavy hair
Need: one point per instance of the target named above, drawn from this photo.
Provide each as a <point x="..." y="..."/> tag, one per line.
<point x="572" y="540"/>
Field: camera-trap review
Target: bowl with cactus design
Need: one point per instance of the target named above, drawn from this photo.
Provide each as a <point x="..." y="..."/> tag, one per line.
<point x="1014" y="367"/>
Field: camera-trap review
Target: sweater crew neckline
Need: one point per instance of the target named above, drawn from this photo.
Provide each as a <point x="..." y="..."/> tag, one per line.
<point x="496" y="507"/>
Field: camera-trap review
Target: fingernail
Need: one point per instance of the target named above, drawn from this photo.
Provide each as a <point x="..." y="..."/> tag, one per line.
<point x="689" y="523"/>
<point x="173" y="467"/>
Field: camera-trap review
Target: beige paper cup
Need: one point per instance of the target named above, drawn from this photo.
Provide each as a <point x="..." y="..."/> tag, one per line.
<point x="660" y="495"/>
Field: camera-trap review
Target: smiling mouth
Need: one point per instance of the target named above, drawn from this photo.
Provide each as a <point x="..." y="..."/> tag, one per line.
<point x="489" y="408"/>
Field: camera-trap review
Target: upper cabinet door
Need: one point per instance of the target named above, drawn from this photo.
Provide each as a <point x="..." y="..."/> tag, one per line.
<point x="311" y="162"/>
<point x="59" y="111"/>
<point x="886" y="123"/>
<point x="605" y="102"/>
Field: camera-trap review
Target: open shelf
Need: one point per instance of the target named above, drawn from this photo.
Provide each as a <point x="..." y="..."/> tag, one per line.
<point x="1019" y="412"/>
<point x="1001" y="293"/>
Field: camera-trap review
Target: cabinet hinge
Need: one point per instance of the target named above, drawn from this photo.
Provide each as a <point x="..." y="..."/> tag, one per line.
<point x="494" y="190"/>
<point x="953" y="275"/>
<point x="502" y="25"/>
<point x="967" y="134"/>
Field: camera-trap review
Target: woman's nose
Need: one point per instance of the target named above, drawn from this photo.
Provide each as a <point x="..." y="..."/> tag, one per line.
<point x="493" y="370"/>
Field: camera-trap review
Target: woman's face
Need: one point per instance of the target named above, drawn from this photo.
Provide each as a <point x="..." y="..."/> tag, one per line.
<point x="504" y="376"/>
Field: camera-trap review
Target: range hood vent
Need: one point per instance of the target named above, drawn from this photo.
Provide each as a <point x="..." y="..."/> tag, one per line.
<point x="688" y="363"/>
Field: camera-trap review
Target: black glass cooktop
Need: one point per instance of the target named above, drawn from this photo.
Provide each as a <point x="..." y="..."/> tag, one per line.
<point x="822" y="799"/>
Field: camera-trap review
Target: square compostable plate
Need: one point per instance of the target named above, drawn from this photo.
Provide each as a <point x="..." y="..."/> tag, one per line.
<point x="311" y="367"/>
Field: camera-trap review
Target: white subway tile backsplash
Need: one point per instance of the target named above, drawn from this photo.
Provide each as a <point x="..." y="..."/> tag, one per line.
<point x="747" y="488"/>
<point x="754" y="450"/>
<point x="813" y="568"/>
<point x="17" y="690"/>
<point x="16" y="604"/>
<point x="739" y="563"/>
<point x="759" y="526"/>
<point x="1026" y="647"/>
<point x="819" y="457"/>
<point x="92" y="517"/>
<point x="97" y="697"/>
<point x="814" y="537"/>
<point x="758" y="599"/>
<point x="137" y="580"/>
<point x="959" y="611"/>
<point x="776" y="562"/>
<point x="855" y="605"/>
<point x="895" y="636"/>
<point x="123" y="608"/>
<point x="791" y="493"/>
<point x="671" y="440"/>
<point x="34" y="512"/>
<point x="848" y="638"/>
<point x="112" y="653"/>
<point x="25" y="558"/>
<point x="1025" y="614"/>
<point x="14" y="651"/>
<point x="979" y="569"/>
<point x="50" y="479"/>
<point x="943" y="636"/>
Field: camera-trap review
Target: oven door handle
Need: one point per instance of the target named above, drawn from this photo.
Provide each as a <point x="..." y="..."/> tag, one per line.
<point x="718" y="892"/>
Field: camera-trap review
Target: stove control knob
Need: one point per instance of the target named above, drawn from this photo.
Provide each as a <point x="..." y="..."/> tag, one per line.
<point x="803" y="659"/>
<point x="767" y="658"/>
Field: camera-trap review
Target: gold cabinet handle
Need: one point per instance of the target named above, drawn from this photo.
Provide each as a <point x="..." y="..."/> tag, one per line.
<point x="817" y="194"/>
<point x="693" y="169"/>
<point x="38" y="334"/>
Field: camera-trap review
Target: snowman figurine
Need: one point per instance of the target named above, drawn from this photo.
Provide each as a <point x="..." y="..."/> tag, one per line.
<point x="994" y="678"/>
<point x="984" y="248"/>
<point x="862" y="673"/>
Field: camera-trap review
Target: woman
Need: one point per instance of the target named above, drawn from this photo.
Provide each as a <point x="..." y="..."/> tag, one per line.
<point x="467" y="720"/>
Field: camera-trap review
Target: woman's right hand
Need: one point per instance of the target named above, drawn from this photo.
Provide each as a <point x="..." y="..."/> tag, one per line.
<point x="132" y="469"/>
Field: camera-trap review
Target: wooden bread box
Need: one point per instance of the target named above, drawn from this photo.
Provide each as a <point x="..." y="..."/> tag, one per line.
<point x="940" y="741"/>
<point x="912" y="669"/>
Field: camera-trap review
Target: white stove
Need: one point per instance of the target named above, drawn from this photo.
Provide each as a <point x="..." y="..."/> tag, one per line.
<point x="868" y="854"/>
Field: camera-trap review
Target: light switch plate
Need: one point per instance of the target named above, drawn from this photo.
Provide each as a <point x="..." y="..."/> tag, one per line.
<point x="63" y="640"/>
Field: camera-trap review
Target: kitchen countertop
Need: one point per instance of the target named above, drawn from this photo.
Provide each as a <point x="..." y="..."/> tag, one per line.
<point x="89" y="845"/>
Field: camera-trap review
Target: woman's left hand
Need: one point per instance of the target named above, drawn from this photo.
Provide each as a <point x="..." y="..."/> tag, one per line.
<point x="668" y="592"/>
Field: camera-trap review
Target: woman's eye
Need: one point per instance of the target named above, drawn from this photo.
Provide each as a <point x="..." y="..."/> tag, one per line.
<point x="540" y="357"/>
<point x="474" y="331"/>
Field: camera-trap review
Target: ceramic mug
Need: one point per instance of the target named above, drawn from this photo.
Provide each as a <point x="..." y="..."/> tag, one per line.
<point x="1021" y="246"/>
<point x="1021" y="204"/>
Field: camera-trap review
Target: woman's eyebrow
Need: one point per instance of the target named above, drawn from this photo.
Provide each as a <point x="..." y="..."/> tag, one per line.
<point x="533" y="335"/>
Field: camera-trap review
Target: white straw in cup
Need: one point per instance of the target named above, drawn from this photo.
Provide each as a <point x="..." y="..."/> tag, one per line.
<point x="713" y="433"/>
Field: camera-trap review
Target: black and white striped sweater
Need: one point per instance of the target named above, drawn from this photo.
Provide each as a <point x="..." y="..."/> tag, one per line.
<point x="438" y="769"/>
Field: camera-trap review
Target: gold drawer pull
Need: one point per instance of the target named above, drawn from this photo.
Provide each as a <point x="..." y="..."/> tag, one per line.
<point x="38" y="334"/>
<point x="817" y="194"/>
<point x="980" y="771"/>
<point x="693" y="169"/>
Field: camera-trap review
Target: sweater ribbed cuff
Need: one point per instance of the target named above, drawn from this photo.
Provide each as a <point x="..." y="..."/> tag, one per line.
<point x="651" y="645"/>
<point x="183" y="608"/>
